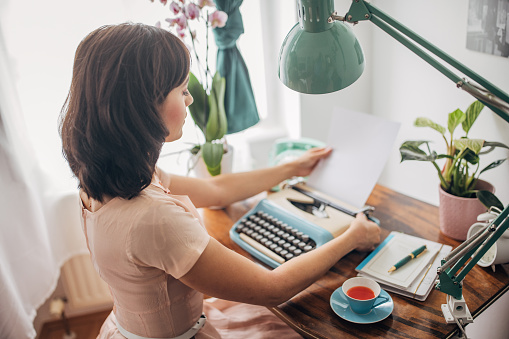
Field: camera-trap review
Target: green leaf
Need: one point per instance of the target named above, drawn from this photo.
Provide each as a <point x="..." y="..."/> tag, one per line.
<point x="455" y="118"/>
<point x="212" y="123"/>
<point x="410" y="150"/>
<point x="199" y="109"/>
<point x="473" y="144"/>
<point x="217" y="124"/>
<point x="471" y="115"/>
<point x="471" y="157"/>
<point x="489" y="199"/>
<point x="212" y="155"/>
<point x="425" y="122"/>
<point x="492" y="165"/>
<point x="495" y="144"/>
<point x="492" y="145"/>
<point x="415" y="143"/>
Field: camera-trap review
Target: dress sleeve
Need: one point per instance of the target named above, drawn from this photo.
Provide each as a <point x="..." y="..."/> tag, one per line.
<point x="167" y="237"/>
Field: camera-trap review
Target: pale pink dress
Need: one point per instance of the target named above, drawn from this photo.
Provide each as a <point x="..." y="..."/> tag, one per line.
<point x="141" y="247"/>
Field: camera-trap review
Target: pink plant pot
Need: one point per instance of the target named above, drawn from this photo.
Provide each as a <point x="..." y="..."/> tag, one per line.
<point x="458" y="214"/>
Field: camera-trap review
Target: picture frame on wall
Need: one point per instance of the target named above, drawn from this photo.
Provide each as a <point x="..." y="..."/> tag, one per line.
<point x="488" y="23"/>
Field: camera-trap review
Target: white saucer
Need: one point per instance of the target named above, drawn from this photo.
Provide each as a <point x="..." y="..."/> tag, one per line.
<point x="340" y="306"/>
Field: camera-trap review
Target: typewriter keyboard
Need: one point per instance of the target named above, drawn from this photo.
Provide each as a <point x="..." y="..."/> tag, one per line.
<point x="273" y="237"/>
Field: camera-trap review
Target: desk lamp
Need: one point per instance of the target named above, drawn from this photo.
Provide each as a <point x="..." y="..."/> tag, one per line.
<point x="321" y="55"/>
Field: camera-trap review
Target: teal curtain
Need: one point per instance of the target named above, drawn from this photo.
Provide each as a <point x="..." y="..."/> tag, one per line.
<point x="240" y="104"/>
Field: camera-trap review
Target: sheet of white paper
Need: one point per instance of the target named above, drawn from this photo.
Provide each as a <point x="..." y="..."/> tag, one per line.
<point x="361" y="146"/>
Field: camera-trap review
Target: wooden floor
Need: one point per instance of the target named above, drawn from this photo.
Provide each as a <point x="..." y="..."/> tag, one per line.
<point x="85" y="327"/>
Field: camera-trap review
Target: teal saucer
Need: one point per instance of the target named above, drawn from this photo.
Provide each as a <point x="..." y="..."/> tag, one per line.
<point x="340" y="306"/>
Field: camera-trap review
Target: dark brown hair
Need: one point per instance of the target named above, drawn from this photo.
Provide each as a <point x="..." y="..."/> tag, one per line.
<point x="111" y="130"/>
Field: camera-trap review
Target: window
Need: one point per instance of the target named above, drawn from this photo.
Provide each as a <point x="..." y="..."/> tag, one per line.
<point x="42" y="37"/>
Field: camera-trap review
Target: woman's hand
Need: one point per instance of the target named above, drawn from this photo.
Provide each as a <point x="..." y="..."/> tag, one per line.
<point x="304" y="165"/>
<point x="366" y="233"/>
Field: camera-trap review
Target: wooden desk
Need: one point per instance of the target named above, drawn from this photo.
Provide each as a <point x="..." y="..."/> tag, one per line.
<point x="309" y="312"/>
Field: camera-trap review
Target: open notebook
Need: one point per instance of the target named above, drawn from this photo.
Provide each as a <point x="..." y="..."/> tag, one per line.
<point x="416" y="278"/>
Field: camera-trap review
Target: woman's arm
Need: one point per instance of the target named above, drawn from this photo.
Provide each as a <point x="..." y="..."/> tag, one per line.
<point x="224" y="189"/>
<point x="225" y="274"/>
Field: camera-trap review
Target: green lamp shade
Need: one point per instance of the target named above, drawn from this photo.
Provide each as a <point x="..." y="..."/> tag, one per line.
<point x="320" y="62"/>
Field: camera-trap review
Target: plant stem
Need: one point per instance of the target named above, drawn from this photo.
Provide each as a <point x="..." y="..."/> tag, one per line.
<point x="459" y="179"/>
<point x="448" y="162"/>
<point x="471" y="180"/>
<point x="206" y="69"/>
<point x="454" y="164"/>
<point x="207" y="44"/>
<point x="198" y="59"/>
<point x="444" y="184"/>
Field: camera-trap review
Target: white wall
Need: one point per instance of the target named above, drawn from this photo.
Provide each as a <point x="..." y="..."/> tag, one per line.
<point x="399" y="86"/>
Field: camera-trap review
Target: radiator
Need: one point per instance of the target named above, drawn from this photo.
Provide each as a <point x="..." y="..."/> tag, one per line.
<point x="86" y="292"/>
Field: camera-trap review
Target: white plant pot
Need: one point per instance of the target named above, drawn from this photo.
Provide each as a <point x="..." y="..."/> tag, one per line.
<point x="199" y="169"/>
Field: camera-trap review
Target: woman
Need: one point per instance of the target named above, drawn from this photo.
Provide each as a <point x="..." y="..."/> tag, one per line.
<point x="128" y="96"/>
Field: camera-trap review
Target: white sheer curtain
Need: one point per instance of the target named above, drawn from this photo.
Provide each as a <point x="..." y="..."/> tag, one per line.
<point x="39" y="211"/>
<point x="31" y="249"/>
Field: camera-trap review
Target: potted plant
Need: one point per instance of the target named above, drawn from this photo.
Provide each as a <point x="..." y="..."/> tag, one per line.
<point x="459" y="176"/>
<point x="209" y="115"/>
<point x="207" y="110"/>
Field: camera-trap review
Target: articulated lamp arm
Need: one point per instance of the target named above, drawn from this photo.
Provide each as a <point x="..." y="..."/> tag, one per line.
<point x="497" y="100"/>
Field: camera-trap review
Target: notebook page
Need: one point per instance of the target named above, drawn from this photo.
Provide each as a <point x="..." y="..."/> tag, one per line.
<point x="399" y="246"/>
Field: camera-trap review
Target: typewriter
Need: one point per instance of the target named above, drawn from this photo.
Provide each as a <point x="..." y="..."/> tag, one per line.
<point x="291" y="222"/>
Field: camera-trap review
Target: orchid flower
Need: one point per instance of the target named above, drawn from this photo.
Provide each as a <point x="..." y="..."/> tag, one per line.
<point x="218" y="19"/>
<point x="175" y="8"/>
<point x="192" y="11"/>
<point x="180" y="21"/>
<point x="181" y="31"/>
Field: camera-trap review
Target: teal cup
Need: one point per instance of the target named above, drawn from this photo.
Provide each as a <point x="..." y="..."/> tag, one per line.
<point x="363" y="294"/>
